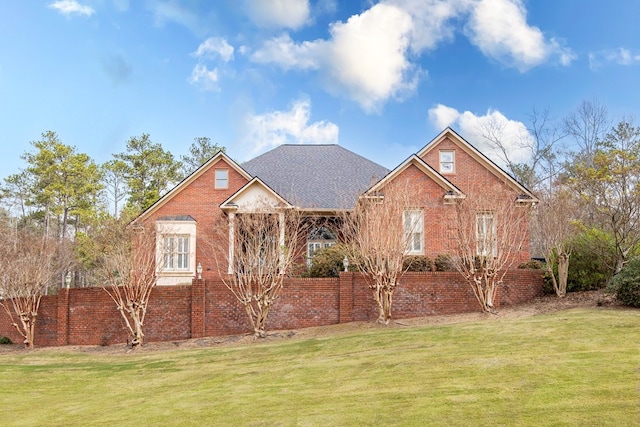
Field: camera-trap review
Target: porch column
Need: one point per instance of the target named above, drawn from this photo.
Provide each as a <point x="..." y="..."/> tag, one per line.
<point x="232" y="233"/>
<point x="281" y="225"/>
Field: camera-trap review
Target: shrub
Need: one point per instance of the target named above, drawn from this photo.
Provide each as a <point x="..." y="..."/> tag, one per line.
<point x="416" y="263"/>
<point x="444" y="263"/>
<point x="626" y="284"/>
<point x="532" y="264"/>
<point x="5" y="340"/>
<point x="327" y="262"/>
<point x="591" y="261"/>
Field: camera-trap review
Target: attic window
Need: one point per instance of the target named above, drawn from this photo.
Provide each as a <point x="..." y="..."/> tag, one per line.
<point x="222" y="179"/>
<point x="447" y="161"/>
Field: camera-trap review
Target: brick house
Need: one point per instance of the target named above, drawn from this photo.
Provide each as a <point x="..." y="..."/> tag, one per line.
<point x="322" y="181"/>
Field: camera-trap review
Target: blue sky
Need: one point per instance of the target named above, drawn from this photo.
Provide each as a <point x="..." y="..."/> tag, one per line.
<point x="381" y="78"/>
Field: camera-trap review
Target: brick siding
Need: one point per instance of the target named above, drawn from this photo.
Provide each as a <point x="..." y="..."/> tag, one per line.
<point x="88" y="316"/>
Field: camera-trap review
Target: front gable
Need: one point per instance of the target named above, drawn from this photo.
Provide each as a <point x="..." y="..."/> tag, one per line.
<point x="200" y="190"/>
<point x="466" y="167"/>
<point x="255" y="194"/>
<point x="419" y="168"/>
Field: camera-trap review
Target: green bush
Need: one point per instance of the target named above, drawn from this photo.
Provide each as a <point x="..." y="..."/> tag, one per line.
<point x="416" y="263"/>
<point x="327" y="262"/>
<point x="444" y="263"/>
<point x="5" y="340"/>
<point x="626" y="284"/>
<point x="591" y="260"/>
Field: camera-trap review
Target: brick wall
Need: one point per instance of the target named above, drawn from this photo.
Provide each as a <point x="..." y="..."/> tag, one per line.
<point x="88" y="316"/>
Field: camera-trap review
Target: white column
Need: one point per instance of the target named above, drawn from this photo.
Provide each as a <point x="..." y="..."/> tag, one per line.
<point x="232" y="226"/>
<point x="281" y="221"/>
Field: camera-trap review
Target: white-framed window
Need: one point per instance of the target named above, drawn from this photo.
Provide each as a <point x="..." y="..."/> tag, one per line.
<point x="319" y="238"/>
<point x="175" y="252"/>
<point x="222" y="179"/>
<point x="447" y="161"/>
<point x="486" y="242"/>
<point x="413" y="231"/>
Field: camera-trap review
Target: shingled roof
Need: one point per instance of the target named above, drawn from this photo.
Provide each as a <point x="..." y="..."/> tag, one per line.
<point x="316" y="176"/>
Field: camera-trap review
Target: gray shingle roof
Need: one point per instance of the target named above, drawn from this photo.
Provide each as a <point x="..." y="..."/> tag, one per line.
<point x="316" y="176"/>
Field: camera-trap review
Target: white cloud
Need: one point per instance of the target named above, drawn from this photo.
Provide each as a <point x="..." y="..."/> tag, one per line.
<point x="71" y="7"/>
<point x="432" y="20"/>
<point x="370" y="57"/>
<point x="499" y="28"/>
<point x="287" y="54"/>
<point x="365" y="57"/>
<point x="620" y="56"/>
<point x="291" y="14"/>
<point x="204" y="78"/>
<point x="513" y="134"/>
<point x="265" y="131"/>
<point x="214" y="46"/>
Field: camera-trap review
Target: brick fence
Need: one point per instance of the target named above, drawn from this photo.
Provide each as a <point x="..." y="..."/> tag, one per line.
<point x="88" y="316"/>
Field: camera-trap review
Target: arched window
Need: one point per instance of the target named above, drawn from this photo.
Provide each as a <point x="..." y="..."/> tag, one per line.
<point x="319" y="238"/>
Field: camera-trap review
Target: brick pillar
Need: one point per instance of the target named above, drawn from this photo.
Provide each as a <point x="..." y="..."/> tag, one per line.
<point x="62" y="330"/>
<point x="197" y="308"/>
<point x="345" y="304"/>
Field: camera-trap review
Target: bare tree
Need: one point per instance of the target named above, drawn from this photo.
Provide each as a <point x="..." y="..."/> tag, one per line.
<point x="540" y="142"/>
<point x="27" y="267"/>
<point x="554" y="223"/>
<point x="127" y="267"/>
<point x="587" y="125"/>
<point x="490" y="232"/>
<point x="265" y="244"/>
<point x="379" y="233"/>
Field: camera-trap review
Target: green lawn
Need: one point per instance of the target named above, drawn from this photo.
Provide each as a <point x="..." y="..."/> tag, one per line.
<point x="573" y="368"/>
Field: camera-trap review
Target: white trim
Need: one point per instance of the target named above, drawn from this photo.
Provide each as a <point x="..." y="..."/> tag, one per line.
<point x="175" y="228"/>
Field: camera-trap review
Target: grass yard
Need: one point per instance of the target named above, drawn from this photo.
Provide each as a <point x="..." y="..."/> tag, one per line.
<point x="578" y="367"/>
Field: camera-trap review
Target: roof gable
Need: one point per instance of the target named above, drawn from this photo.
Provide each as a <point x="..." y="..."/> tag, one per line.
<point x="212" y="162"/>
<point x="478" y="156"/>
<point x="450" y="190"/>
<point x="253" y="194"/>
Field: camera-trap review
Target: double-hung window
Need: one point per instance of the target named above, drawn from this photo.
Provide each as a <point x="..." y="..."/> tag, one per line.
<point x="413" y="231"/>
<point x="222" y="179"/>
<point x="447" y="161"/>
<point x="485" y="234"/>
<point x="176" y="252"/>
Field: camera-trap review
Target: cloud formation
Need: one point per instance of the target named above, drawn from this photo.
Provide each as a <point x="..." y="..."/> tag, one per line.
<point x="499" y="29"/>
<point x="71" y="7"/>
<point x="370" y="57"/>
<point x="291" y="14"/>
<point x="620" y="56"/>
<point x="478" y="129"/>
<point x="204" y="78"/>
<point x="265" y="131"/>
<point x="365" y="56"/>
<point x="213" y="47"/>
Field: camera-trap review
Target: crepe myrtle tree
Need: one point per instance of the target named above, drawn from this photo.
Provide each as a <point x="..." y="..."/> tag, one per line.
<point x="555" y="219"/>
<point x="379" y="233"/>
<point x="128" y="270"/>
<point x="264" y="245"/>
<point x="489" y="229"/>
<point x="28" y="265"/>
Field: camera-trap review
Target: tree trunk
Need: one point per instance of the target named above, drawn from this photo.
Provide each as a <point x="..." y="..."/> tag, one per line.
<point x="563" y="274"/>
